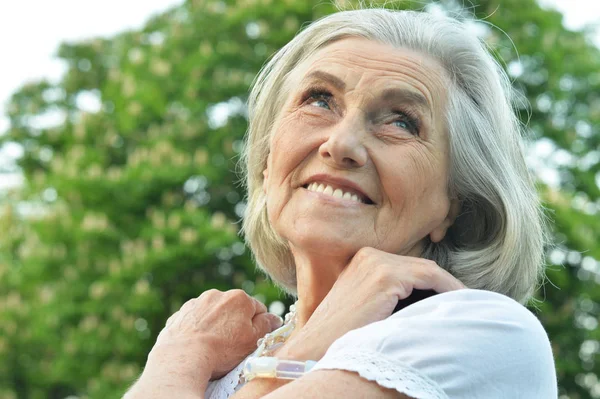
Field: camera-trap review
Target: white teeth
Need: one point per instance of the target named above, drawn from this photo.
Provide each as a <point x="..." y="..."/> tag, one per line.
<point x="338" y="193"/>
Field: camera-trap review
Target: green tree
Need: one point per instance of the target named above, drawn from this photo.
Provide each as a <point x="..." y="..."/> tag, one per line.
<point x="131" y="206"/>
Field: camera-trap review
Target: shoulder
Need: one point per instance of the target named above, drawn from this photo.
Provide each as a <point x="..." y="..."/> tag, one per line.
<point x="476" y="308"/>
<point x="475" y="311"/>
<point x="478" y="313"/>
<point x="459" y="340"/>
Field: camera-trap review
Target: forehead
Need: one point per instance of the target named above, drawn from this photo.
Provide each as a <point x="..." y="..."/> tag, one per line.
<point x="366" y="64"/>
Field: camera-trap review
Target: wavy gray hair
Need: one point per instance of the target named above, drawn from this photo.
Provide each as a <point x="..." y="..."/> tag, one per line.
<point x="497" y="241"/>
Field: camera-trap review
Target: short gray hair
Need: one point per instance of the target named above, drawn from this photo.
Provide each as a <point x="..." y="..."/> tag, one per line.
<point x="497" y="241"/>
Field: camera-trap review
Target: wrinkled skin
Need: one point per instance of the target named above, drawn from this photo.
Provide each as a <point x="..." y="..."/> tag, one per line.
<point x="393" y="147"/>
<point x="354" y="261"/>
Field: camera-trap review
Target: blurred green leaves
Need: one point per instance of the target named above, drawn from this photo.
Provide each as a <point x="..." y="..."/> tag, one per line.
<point x="131" y="205"/>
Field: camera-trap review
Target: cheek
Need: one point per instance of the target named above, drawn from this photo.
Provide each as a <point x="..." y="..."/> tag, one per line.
<point x="413" y="179"/>
<point x="288" y="154"/>
<point x="287" y="135"/>
<point x="292" y="145"/>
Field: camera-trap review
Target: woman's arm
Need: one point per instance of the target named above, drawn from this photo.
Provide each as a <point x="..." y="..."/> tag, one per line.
<point x="328" y="384"/>
<point x="159" y="380"/>
<point x="204" y="340"/>
<point x="318" y="384"/>
<point x="460" y="344"/>
<point x="366" y="291"/>
<point x="259" y="388"/>
<point x="144" y="389"/>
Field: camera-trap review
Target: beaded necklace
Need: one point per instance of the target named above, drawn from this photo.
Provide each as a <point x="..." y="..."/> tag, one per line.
<point x="275" y="339"/>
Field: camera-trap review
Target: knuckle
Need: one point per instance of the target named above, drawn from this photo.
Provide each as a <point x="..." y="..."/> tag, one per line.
<point x="236" y="296"/>
<point x="262" y="325"/>
<point x="431" y="263"/>
<point x="363" y="254"/>
<point x="364" y="251"/>
<point x="190" y="303"/>
<point x="170" y="319"/>
<point x="213" y="292"/>
<point x="382" y="276"/>
<point x="423" y="273"/>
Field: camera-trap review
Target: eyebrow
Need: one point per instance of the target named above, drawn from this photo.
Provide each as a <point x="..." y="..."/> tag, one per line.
<point x="405" y="96"/>
<point x="395" y="95"/>
<point x="327" y="77"/>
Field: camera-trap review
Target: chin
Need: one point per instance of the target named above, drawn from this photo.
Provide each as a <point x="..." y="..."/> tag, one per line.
<point x="323" y="239"/>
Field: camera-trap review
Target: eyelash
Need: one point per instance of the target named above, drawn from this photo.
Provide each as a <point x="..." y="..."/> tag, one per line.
<point x="408" y="116"/>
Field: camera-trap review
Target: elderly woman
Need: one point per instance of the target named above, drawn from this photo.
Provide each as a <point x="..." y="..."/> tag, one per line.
<point x="383" y="166"/>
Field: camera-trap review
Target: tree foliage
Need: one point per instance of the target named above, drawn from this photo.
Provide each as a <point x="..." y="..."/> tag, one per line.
<point x="131" y="206"/>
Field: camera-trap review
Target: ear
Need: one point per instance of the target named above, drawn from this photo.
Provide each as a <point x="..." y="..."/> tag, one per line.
<point x="266" y="173"/>
<point x="439" y="232"/>
<point x="265" y="178"/>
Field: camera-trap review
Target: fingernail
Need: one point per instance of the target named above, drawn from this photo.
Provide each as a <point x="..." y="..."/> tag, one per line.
<point x="276" y="321"/>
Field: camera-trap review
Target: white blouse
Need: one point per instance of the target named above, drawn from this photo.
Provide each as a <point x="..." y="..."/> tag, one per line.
<point x="460" y="344"/>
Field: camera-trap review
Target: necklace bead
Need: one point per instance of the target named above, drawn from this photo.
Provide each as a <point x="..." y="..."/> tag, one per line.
<point x="267" y="345"/>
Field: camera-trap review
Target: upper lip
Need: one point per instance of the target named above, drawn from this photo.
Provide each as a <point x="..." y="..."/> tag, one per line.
<point x="341" y="183"/>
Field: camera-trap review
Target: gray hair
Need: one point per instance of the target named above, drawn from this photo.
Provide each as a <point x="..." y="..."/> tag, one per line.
<point x="497" y="241"/>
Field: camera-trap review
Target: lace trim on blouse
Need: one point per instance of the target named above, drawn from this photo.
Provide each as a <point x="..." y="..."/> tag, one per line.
<point x="384" y="371"/>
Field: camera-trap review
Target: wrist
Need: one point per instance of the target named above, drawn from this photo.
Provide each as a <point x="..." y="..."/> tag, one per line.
<point x="170" y="366"/>
<point x="259" y="387"/>
<point x="297" y="348"/>
<point x="144" y="389"/>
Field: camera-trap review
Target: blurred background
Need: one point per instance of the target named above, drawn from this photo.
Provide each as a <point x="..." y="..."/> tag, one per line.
<point x="122" y="124"/>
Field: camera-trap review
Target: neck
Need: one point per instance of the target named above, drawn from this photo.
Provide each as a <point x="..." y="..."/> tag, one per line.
<point x="315" y="275"/>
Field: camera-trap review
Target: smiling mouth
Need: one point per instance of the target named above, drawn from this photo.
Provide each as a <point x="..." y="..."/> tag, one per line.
<point x="324" y="188"/>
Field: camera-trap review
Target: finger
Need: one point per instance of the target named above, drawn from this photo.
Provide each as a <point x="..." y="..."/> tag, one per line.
<point x="264" y="323"/>
<point x="259" y="307"/>
<point x="170" y="319"/>
<point x="242" y="301"/>
<point x="189" y="304"/>
<point x="433" y="277"/>
<point x="449" y="281"/>
<point x="186" y="312"/>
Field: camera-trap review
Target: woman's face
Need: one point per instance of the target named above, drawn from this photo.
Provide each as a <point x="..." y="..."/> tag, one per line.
<point x="359" y="152"/>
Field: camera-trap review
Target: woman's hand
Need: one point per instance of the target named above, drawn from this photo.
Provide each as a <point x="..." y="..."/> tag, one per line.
<point x="366" y="291"/>
<point x="205" y="339"/>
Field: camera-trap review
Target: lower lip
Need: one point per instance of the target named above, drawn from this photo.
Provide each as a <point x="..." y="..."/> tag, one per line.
<point x="329" y="199"/>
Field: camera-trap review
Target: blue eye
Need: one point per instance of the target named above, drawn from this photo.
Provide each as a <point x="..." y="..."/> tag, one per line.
<point x="407" y="122"/>
<point x="402" y="124"/>
<point x="320" y="103"/>
<point x="319" y="98"/>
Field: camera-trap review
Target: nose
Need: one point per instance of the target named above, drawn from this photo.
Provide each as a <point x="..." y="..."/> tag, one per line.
<point x="344" y="147"/>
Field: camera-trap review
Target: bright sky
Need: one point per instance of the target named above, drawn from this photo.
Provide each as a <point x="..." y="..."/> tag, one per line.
<point x="31" y="31"/>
